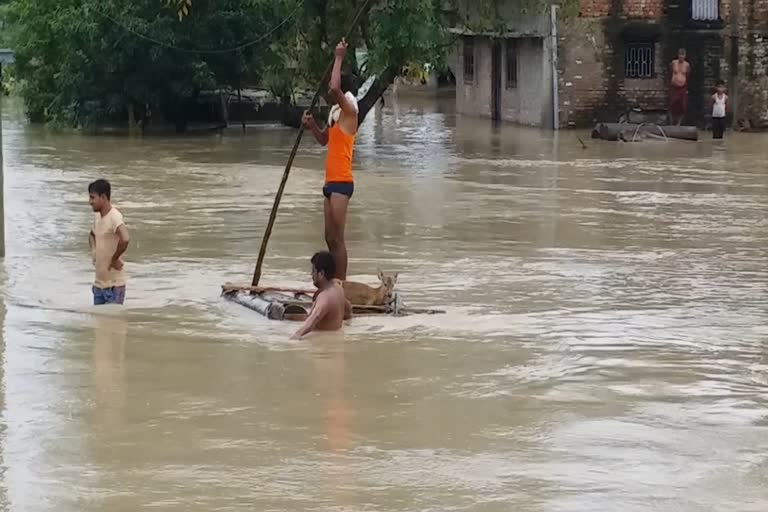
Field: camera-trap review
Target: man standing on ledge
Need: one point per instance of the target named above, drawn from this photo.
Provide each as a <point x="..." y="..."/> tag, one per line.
<point x="678" y="94"/>
<point x="339" y="136"/>
<point x="108" y="240"/>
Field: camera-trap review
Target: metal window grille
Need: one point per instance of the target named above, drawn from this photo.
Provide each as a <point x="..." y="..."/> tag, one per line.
<point x="705" y="10"/>
<point x="638" y="60"/>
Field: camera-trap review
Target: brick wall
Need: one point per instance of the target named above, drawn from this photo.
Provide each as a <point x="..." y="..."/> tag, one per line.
<point x="594" y="8"/>
<point x="725" y="11"/>
<point x="592" y="86"/>
<point x="591" y="76"/>
<point x="752" y="83"/>
<point x="592" y="79"/>
<point x="753" y="14"/>
<point x="582" y="80"/>
<point x="745" y="67"/>
<point x="643" y="9"/>
<point x="638" y="9"/>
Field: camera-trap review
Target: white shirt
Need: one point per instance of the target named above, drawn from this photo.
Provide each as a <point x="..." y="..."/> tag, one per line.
<point x="105" y="233"/>
<point x="335" y="113"/>
<point x="718" y="109"/>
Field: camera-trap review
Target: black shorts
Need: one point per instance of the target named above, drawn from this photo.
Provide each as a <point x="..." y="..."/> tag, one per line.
<point x="338" y="188"/>
<point x="718" y="127"/>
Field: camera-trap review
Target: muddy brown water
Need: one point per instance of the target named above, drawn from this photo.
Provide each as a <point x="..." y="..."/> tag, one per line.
<point x="604" y="345"/>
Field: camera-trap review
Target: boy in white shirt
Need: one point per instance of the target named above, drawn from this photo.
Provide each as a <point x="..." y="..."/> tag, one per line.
<point x="719" y="110"/>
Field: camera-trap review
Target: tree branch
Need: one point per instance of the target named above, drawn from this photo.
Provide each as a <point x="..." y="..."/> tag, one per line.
<point x="377" y="89"/>
<point x="365" y="32"/>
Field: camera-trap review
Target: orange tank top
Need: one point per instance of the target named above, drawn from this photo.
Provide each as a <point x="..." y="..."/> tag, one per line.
<point x="338" y="163"/>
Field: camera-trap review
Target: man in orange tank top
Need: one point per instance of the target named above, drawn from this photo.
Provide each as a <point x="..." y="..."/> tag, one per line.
<point x="339" y="136"/>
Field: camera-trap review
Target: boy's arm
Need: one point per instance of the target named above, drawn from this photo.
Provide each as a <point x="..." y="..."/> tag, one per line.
<point x="122" y="244"/>
<point x="347" y="309"/>
<point x="92" y="245"/>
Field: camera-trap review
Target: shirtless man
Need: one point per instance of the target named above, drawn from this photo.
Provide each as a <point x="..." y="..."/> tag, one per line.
<point x="678" y="95"/>
<point x="339" y="136"/>
<point x="330" y="307"/>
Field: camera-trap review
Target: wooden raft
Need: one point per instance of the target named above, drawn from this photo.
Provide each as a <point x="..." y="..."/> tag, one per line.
<point x="281" y="303"/>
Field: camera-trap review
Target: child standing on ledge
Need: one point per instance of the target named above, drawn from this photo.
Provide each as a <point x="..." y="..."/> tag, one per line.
<point x="719" y="110"/>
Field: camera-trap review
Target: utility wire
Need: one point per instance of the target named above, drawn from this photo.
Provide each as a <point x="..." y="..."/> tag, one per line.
<point x="218" y="51"/>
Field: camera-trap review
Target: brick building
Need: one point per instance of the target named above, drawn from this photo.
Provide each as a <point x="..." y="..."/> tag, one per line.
<point x="613" y="55"/>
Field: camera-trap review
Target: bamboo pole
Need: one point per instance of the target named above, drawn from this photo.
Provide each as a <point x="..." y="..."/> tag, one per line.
<point x="281" y="188"/>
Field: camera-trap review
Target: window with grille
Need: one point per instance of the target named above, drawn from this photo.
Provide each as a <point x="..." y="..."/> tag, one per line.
<point x="638" y="60"/>
<point x="469" y="60"/>
<point x="705" y="10"/>
<point x="511" y="64"/>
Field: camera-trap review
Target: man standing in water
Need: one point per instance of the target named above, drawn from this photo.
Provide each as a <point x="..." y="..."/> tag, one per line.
<point x="678" y="94"/>
<point x="330" y="307"/>
<point x="339" y="136"/>
<point x="108" y="240"/>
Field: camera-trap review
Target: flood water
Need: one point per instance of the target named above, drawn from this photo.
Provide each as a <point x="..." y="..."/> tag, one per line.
<point x="604" y="346"/>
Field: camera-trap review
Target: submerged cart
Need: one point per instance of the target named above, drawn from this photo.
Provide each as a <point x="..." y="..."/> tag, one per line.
<point x="287" y="303"/>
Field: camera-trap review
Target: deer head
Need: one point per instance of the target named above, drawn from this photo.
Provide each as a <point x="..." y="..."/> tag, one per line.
<point x="388" y="283"/>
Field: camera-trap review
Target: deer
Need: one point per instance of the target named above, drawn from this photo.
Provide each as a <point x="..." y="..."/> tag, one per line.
<point x="363" y="295"/>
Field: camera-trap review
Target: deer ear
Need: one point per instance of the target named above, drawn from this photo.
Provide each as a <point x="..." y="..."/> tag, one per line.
<point x="394" y="278"/>
<point x="380" y="274"/>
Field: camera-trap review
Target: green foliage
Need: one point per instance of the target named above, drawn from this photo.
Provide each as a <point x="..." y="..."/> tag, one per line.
<point x="88" y="61"/>
<point x="496" y="15"/>
<point x="405" y="31"/>
<point x="81" y="62"/>
<point x="392" y="37"/>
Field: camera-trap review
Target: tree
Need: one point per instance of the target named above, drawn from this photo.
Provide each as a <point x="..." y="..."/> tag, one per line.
<point x="88" y="61"/>
<point x="393" y="33"/>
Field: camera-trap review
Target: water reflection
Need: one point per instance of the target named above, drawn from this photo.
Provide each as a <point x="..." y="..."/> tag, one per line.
<point x="329" y="362"/>
<point x="4" y="502"/>
<point x="109" y="342"/>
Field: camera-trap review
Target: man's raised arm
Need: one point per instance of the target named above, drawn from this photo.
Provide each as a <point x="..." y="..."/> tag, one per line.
<point x="335" y="83"/>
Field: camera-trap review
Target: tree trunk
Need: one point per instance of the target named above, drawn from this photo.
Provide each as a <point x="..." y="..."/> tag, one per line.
<point x="224" y="108"/>
<point x="240" y="108"/>
<point x="377" y="89"/>
<point x="131" y="119"/>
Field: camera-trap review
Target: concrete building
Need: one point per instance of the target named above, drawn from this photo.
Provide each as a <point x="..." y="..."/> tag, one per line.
<point x="610" y="56"/>
<point x="506" y="73"/>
